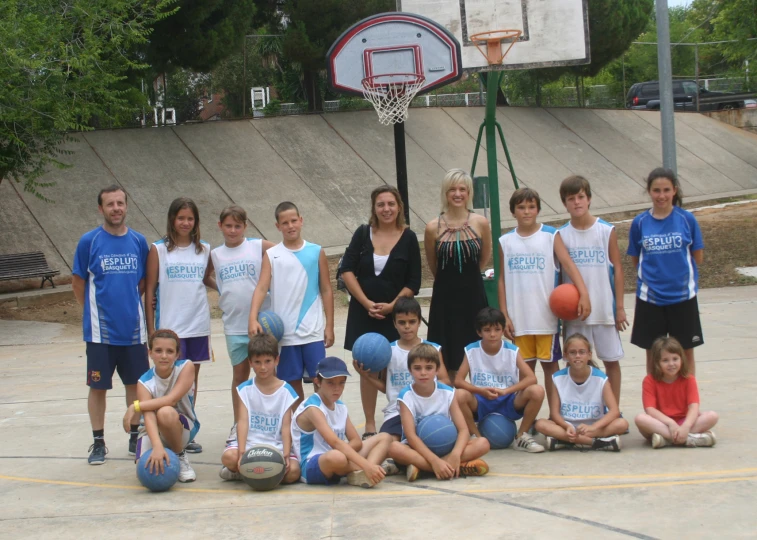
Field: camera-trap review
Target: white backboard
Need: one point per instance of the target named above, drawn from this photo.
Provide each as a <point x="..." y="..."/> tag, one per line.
<point x="555" y="32"/>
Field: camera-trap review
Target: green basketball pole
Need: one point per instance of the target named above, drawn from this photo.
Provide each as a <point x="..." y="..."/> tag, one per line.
<point x="489" y="124"/>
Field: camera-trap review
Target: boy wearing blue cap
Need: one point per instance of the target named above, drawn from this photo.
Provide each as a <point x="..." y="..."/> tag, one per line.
<point x="325" y="441"/>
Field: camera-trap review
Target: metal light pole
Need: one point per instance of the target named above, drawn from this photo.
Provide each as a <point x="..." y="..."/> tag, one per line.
<point x="665" y="77"/>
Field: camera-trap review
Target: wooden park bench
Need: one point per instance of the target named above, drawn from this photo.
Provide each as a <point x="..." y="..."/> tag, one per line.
<point x="26" y="265"/>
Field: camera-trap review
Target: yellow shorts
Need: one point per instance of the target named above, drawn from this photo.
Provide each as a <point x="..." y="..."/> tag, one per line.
<point x="536" y="347"/>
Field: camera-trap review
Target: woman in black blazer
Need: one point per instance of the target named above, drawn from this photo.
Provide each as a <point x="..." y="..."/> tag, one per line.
<point x="382" y="263"/>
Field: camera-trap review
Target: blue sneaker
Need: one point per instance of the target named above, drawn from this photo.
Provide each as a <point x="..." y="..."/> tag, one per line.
<point x="193" y="447"/>
<point x="97" y="454"/>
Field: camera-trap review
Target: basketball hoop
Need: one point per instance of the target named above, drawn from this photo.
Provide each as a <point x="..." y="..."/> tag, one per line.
<point x="391" y="94"/>
<point x="493" y="41"/>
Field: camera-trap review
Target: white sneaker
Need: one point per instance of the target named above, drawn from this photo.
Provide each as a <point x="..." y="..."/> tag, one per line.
<point x="526" y="443"/>
<point x="701" y="439"/>
<point x="359" y="478"/>
<point x="186" y="472"/>
<point x="556" y="444"/>
<point x="227" y="474"/>
<point x="390" y="467"/>
<point x="658" y="441"/>
<point x="231" y="441"/>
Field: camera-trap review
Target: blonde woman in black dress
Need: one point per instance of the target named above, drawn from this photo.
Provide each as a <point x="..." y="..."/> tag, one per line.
<point x="458" y="245"/>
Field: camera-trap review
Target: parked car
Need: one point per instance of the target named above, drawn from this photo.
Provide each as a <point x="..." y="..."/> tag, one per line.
<point x="646" y="95"/>
<point x="750" y="103"/>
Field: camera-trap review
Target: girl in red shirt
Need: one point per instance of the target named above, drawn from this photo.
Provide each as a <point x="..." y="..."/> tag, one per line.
<point x="671" y="401"/>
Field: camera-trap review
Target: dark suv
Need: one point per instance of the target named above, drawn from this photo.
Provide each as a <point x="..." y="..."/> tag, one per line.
<point x="646" y="95"/>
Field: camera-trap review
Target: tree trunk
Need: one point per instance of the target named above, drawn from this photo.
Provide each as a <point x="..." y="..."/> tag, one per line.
<point x="312" y="90"/>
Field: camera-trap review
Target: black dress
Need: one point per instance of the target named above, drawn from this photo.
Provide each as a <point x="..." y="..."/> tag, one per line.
<point x="458" y="292"/>
<point x="402" y="269"/>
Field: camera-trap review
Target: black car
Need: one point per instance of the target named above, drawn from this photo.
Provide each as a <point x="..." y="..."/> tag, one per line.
<point x="646" y="95"/>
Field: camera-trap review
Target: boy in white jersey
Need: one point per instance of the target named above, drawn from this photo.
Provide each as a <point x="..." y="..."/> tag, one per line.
<point x="264" y="414"/>
<point x="165" y="399"/>
<point x="593" y="246"/>
<point x="297" y="274"/>
<point x="500" y="381"/>
<point x="426" y="397"/>
<point x="407" y="320"/>
<point x="324" y="439"/>
<point x="529" y="256"/>
<point x="234" y="270"/>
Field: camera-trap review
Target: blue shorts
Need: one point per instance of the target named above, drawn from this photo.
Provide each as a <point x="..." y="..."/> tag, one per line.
<point x="196" y="349"/>
<point x="103" y="360"/>
<point x="504" y="405"/>
<point x="312" y="473"/>
<point x="295" y="359"/>
<point x="237" y="348"/>
<point x="393" y="426"/>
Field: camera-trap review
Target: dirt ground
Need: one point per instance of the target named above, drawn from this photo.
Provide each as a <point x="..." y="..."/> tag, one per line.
<point x="729" y="236"/>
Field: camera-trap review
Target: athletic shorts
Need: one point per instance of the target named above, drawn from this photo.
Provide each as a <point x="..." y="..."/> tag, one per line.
<point x="196" y="349"/>
<point x="144" y="443"/>
<point x="103" y="360"/>
<point x="295" y="360"/>
<point x="312" y="473"/>
<point x="393" y="426"/>
<point x="680" y="321"/>
<point x="604" y="339"/>
<point x="232" y="443"/>
<point x="237" y="348"/>
<point x="504" y="405"/>
<point x="545" y="347"/>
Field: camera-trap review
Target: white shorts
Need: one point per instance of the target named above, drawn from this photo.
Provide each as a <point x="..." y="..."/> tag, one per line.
<point x="604" y="339"/>
<point x="144" y="443"/>
<point x="232" y="443"/>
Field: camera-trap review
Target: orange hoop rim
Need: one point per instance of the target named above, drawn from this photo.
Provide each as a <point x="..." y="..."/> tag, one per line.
<point x="493" y="40"/>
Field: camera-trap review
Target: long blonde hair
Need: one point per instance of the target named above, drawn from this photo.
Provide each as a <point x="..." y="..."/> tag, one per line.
<point x="453" y="178"/>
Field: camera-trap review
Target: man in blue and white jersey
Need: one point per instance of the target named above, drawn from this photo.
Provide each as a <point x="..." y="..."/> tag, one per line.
<point x="108" y="281"/>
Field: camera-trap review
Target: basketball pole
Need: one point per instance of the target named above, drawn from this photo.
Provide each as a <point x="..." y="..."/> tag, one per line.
<point x="400" y="160"/>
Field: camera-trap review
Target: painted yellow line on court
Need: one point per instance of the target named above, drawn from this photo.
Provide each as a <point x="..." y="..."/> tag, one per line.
<point x="607" y="476"/>
<point x="619" y="486"/>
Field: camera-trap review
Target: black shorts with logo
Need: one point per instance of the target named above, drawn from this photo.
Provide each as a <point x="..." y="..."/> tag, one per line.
<point x="680" y="321"/>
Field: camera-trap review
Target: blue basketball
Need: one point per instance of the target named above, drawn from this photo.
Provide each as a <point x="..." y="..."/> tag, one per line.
<point x="498" y="430"/>
<point x="373" y="351"/>
<point x="272" y="324"/>
<point x="438" y="433"/>
<point x="156" y="481"/>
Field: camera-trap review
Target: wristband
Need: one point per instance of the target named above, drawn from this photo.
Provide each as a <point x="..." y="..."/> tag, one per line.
<point x="136" y="406"/>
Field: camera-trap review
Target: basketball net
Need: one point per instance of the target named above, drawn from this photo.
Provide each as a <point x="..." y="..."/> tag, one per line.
<point x="391" y="94"/>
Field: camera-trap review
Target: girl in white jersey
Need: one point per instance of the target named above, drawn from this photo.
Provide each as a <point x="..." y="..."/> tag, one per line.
<point x="175" y="295"/>
<point x="583" y="410"/>
<point x="165" y="398"/>
<point x="233" y="270"/>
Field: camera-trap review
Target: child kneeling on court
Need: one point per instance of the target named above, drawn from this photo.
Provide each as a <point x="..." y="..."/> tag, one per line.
<point x="264" y="413"/>
<point x="406" y="316"/>
<point x="671" y="401"/>
<point x="426" y="397"/>
<point x="583" y="410"/>
<point x="500" y="381"/>
<point x="165" y="398"/>
<point x="324" y="439"/>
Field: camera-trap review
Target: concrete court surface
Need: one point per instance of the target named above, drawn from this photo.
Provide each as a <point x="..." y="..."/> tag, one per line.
<point x="47" y="489"/>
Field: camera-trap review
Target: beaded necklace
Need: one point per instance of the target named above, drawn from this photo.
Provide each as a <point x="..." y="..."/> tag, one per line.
<point x="457" y="245"/>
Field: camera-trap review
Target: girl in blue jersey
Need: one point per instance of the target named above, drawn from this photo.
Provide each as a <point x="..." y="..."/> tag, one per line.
<point x="665" y="244"/>
<point x="175" y="295"/>
<point x="583" y="410"/>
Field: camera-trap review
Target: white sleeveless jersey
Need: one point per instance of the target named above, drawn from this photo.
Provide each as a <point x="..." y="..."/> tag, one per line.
<point x="581" y="403"/>
<point x="310" y="443"/>
<point x="590" y="251"/>
<point x="182" y="300"/>
<point x="295" y="292"/>
<point x="531" y="274"/>
<point x="498" y="371"/>
<point x="237" y="273"/>
<point x="398" y="377"/>
<point x="265" y="412"/>
<point x="437" y="403"/>
<point x="160" y="387"/>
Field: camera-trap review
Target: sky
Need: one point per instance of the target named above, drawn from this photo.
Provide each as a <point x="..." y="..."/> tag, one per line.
<point x="675" y="3"/>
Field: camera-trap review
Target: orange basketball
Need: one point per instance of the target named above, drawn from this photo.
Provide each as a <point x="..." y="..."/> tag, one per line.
<point x="564" y="302"/>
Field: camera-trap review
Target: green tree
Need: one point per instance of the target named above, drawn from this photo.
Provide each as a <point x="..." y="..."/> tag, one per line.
<point x="65" y="66"/>
<point x="200" y="34"/>
<point x="313" y="26"/>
